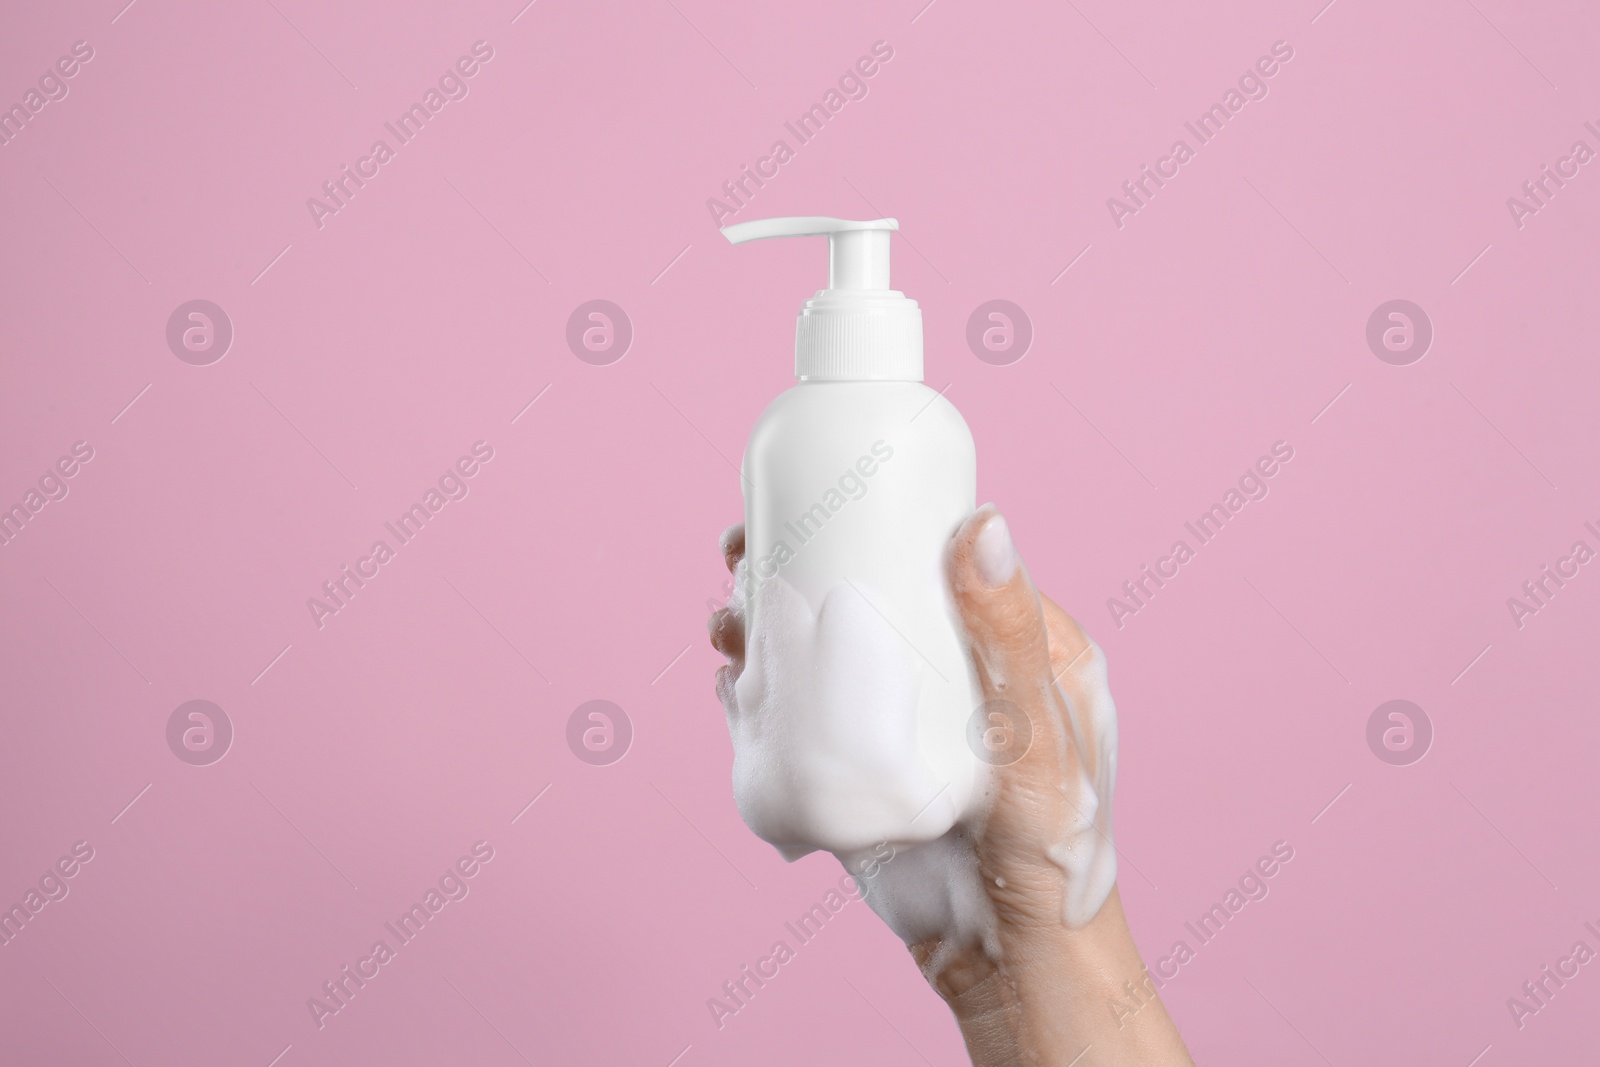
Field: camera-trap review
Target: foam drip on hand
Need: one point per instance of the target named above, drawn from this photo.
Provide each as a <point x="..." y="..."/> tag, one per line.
<point x="931" y="893"/>
<point x="1085" y="852"/>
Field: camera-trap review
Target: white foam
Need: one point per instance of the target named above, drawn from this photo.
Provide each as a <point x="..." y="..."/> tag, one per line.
<point x="933" y="890"/>
<point x="827" y="756"/>
<point x="825" y="735"/>
<point x="1085" y="852"/>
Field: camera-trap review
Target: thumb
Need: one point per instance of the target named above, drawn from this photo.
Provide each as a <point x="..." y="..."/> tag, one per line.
<point x="1004" y="622"/>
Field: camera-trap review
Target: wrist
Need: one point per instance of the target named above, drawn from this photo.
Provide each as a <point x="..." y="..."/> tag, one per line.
<point x="1043" y="993"/>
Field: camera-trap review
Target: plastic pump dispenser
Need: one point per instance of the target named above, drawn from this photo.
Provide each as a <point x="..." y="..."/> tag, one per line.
<point x="857" y="329"/>
<point x="852" y="713"/>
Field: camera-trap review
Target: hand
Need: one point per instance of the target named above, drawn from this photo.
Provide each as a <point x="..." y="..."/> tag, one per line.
<point x="1029" y="945"/>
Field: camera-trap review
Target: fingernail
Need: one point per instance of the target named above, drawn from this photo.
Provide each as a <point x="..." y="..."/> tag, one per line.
<point x="993" y="552"/>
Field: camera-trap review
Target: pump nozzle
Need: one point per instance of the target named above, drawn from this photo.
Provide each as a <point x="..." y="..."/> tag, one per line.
<point x="858" y="252"/>
<point x="858" y="328"/>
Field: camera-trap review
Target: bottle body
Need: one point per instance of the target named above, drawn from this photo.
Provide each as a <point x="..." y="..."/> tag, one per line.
<point x="858" y="688"/>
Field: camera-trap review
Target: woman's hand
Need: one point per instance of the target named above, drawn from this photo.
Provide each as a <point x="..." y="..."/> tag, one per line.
<point x="1044" y="974"/>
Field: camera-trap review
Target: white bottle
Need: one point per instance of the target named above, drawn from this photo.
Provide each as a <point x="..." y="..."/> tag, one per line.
<point x="858" y="691"/>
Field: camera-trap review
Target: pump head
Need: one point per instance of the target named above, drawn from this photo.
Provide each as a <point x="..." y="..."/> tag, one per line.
<point x="858" y="328"/>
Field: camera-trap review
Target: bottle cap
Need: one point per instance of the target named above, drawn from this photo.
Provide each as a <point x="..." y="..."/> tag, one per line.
<point x="857" y="329"/>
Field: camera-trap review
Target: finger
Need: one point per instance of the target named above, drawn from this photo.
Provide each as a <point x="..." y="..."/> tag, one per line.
<point x="733" y="545"/>
<point x="727" y="625"/>
<point x="726" y="677"/>
<point x="727" y="633"/>
<point x="1005" y="624"/>
<point x="1069" y="645"/>
<point x="998" y="604"/>
<point x="1078" y="666"/>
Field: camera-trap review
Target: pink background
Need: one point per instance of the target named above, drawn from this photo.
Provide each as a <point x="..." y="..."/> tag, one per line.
<point x="370" y="353"/>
